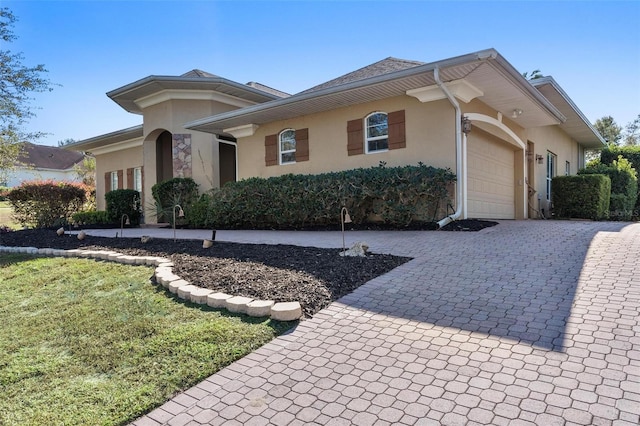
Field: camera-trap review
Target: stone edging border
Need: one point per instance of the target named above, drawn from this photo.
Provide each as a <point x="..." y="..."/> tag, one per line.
<point x="163" y="274"/>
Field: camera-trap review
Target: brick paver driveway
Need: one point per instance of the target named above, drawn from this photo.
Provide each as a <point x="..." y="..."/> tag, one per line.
<point x="525" y="323"/>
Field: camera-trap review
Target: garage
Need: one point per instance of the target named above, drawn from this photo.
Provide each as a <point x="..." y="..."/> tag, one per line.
<point x="490" y="177"/>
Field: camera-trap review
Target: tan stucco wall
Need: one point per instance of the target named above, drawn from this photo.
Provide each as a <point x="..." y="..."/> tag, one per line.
<point x="111" y="162"/>
<point x="553" y="139"/>
<point x="430" y="138"/>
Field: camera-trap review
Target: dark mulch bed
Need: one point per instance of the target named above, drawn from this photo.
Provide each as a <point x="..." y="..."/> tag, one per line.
<point x="468" y="225"/>
<point x="282" y="273"/>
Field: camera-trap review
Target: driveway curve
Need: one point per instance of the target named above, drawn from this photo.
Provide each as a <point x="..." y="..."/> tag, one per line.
<point x="525" y="323"/>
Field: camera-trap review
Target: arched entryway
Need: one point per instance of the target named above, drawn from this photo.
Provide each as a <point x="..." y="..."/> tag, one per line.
<point x="164" y="157"/>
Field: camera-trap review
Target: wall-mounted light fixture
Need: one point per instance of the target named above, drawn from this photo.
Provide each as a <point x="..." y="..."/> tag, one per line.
<point x="466" y="125"/>
<point x="516" y="113"/>
<point x="539" y="158"/>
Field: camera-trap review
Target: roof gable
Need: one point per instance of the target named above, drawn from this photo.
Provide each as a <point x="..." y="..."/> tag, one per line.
<point x="384" y="66"/>
<point x="49" y="157"/>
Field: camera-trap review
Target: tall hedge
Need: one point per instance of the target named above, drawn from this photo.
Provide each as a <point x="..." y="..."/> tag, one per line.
<point x="394" y="196"/>
<point x="631" y="153"/>
<point x="43" y="204"/>
<point x="624" y="186"/>
<point x="585" y="196"/>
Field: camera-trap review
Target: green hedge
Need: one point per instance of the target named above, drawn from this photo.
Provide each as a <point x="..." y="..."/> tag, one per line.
<point x="169" y="193"/>
<point x="43" y="204"/>
<point x="585" y="196"/>
<point x="631" y="153"/>
<point x="395" y="197"/>
<point x="624" y="186"/>
<point x="121" y="202"/>
<point x="96" y="217"/>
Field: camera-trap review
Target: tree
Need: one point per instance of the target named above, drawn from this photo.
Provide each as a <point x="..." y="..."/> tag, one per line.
<point x="632" y="132"/>
<point x="17" y="83"/>
<point x="610" y="131"/>
<point x="532" y="75"/>
<point x="67" y="141"/>
<point x="87" y="171"/>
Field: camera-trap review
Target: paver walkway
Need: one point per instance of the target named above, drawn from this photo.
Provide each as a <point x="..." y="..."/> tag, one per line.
<point x="528" y="322"/>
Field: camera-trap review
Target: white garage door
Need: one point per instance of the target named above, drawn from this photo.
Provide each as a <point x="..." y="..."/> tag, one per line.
<point x="490" y="167"/>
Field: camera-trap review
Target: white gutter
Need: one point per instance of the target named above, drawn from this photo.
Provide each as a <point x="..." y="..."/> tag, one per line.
<point x="460" y="176"/>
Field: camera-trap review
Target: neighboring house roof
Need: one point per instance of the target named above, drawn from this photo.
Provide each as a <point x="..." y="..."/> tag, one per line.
<point x="194" y="80"/>
<point x="49" y="157"/>
<point x="503" y="88"/>
<point x="384" y="66"/>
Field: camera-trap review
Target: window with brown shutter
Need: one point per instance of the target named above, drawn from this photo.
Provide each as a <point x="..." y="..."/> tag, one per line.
<point x="129" y="178"/>
<point x="271" y="150"/>
<point x="107" y="182"/>
<point x="355" y="137"/>
<point x="397" y="137"/>
<point x="120" y="175"/>
<point x="302" y="145"/>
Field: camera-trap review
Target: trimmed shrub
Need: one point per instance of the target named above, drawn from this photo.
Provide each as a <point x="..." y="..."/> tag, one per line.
<point x="44" y="204"/>
<point x="585" y="196"/>
<point x="624" y="186"/>
<point x="395" y="197"/>
<point x="631" y="153"/>
<point x="121" y="202"/>
<point x="96" y="217"/>
<point x="198" y="214"/>
<point x="169" y="193"/>
<point x="4" y="191"/>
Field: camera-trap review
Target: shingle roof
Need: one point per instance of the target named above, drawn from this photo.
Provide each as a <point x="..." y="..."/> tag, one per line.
<point x="195" y="73"/>
<point x="49" y="157"/>
<point x="384" y="66"/>
<point x="199" y="73"/>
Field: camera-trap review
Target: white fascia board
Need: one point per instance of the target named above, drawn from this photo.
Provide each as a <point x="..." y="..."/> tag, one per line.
<point x="242" y="131"/>
<point x="133" y="143"/>
<point x="191" y="95"/>
<point x="461" y="89"/>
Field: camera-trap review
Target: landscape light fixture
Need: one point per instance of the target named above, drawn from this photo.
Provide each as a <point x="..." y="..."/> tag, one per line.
<point x="344" y="218"/>
<point x="123" y="223"/>
<point x="180" y="214"/>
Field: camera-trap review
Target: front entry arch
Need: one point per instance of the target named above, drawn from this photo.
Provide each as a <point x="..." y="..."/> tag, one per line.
<point x="164" y="157"/>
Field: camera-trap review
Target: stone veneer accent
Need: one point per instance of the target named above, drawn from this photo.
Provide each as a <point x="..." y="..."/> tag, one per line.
<point x="181" y="153"/>
<point x="164" y="276"/>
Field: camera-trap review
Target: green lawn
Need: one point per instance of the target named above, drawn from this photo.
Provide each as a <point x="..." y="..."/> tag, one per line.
<point x="86" y="342"/>
<point x="5" y="216"/>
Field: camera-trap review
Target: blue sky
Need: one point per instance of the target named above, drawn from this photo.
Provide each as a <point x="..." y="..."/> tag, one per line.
<point x="592" y="48"/>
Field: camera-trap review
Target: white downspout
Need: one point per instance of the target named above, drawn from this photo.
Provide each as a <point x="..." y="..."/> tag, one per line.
<point x="460" y="169"/>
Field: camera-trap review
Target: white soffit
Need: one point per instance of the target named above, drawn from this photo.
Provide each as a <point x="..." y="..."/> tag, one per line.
<point x="191" y="95"/>
<point x="242" y="131"/>
<point x="461" y="89"/>
<point x="118" y="146"/>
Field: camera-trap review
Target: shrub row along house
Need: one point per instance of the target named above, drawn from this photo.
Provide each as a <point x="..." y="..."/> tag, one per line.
<point x="505" y="137"/>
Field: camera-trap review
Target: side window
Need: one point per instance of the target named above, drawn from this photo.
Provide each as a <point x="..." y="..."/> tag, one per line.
<point x="137" y="179"/>
<point x="114" y="181"/>
<point x="567" y="168"/>
<point x="287" y="146"/>
<point x="376" y="132"/>
<point x="551" y="171"/>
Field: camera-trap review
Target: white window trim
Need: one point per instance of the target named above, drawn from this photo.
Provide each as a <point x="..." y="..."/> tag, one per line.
<point x="289" y="151"/>
<point x="552" y="160"/>
<point x="114" y="181"/>
<point x="137" y="183"/>
<point x="367" y="139"/>
<point x="567" y="168"/>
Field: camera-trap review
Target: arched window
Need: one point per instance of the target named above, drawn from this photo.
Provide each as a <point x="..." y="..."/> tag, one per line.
<point x="377" y="132"/>
<point x="287" y="145"/>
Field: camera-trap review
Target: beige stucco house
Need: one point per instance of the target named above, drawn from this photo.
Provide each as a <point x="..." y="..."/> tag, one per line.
<point x="504" y="136"/>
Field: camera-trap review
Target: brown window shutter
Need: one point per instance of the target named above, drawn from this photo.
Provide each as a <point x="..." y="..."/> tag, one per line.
<point x="302" y="145"/>
<point x="397" y="138"/>
<point x="271" y="150"/>
<point x="120" y="179"/>
<point x="129" y="178"/>
<point x="107" y="182"/>
<point x="355" y="137"/>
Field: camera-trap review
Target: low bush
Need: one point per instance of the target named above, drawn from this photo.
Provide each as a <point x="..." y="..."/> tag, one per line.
<point x="122" y="202"/>
<point x="95" y="217"/>
<point x="169" y="193"/>
<point x="395" y="197"/>
<point x="585" y="196"/>
<point x="4" y="191"/>
<point x="44" y="204"/>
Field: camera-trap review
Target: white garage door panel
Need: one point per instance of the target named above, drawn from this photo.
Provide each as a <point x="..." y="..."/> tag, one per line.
<point x="490" y="166"/>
